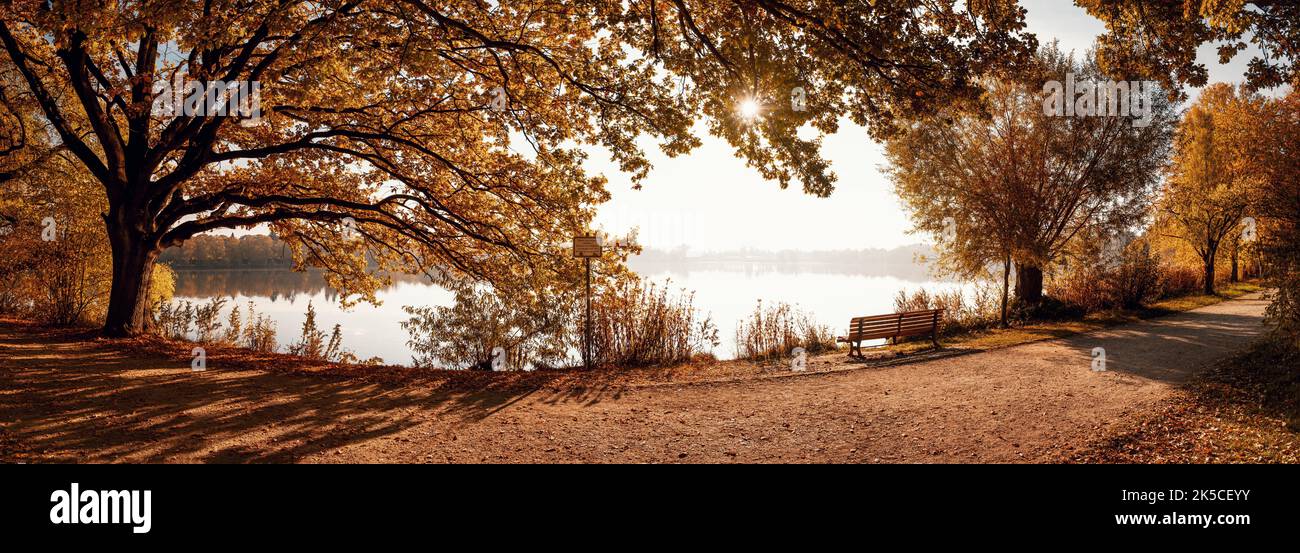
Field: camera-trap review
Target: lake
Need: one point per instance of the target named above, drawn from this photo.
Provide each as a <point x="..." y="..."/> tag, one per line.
<point x="728" y="291"/>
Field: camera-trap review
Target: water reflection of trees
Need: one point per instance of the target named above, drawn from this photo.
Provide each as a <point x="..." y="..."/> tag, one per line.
<point x="268" y="283"/>
<point x="278" y="283"/>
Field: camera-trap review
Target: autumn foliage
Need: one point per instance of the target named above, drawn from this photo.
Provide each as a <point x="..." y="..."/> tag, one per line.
<point x="447" y="138"/>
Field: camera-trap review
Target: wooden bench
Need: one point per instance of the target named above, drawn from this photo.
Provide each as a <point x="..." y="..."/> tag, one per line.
<point x="894" y="325"/>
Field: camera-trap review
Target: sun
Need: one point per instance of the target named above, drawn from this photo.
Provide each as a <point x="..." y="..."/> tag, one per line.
<point x="750" y="108"/>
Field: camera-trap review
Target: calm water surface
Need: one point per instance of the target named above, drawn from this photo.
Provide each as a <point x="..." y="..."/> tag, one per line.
<point x="726" y="291"/>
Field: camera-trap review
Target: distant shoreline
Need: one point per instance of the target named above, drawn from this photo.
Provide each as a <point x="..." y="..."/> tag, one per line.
<point x="912" y="271"/>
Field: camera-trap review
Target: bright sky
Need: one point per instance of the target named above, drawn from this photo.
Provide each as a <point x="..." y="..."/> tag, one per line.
<point x="710" y="201"/>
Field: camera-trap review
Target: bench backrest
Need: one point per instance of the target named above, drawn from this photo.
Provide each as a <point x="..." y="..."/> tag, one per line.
<point x="909" y="323"/>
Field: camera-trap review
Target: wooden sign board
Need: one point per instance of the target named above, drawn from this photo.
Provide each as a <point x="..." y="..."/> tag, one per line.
<point x="586" y="246"/>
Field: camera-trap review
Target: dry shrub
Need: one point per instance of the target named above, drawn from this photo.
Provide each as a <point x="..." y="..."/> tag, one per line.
<point x="174" y="319"/>
<point x="983" y="309"/>
<point x="62" y="282"/>
<point x="773" y="332"/>
<point x="532" y="325"/>
<point x="259" y="332"/>
<point x="1180" y="281"/>
<point x="1135" y="279"/>
<point x="316" y="345"/>
<point x="634" y="325"/>
<point x="73" y="282"/>
<point x="1283" y="312"/>
<point x="1080" y="287"/>
<point x="206" y="323"/>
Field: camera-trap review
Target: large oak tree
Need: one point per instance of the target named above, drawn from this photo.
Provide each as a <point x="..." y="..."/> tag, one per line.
<point x="452" y="133"/>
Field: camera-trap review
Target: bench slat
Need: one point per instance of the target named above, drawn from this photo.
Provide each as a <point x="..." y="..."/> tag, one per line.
<point x="866" y="328"/>
<point x="905" y="314"/>
<point x="893" y="330"/>
<point x="893" y="324"/>
<point x="882" y="318"/>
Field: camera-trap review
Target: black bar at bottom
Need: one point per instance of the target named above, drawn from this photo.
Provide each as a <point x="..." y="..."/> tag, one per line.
<point x="226" y="503"/>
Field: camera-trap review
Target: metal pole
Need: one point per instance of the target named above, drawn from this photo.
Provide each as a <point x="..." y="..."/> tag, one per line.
<point x="586" y="347"/>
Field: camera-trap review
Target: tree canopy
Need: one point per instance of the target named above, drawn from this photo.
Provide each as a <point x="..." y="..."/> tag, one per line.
<point x="1018" y="182"/>
<point x="1159" y="39"/>
<point x="1276" y="203"/>
<point x="451" y="135"/>
<point x="1210" y="178"/>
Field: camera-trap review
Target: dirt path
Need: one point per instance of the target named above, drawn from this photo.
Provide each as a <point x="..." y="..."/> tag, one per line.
<point x="66" y="399"/>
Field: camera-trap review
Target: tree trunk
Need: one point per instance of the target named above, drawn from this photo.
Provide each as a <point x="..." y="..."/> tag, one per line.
<point x="1209" y="276"/>
<point x="1006" y="280"/>
<point x="1029" y="284"/>
<point x="1208" y="257"/>
<point x="1236" y="254"/>
<point x="133" y="259"/>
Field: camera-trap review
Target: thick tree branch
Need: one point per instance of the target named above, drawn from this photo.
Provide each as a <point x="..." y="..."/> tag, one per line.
<point x="54" y="114"/>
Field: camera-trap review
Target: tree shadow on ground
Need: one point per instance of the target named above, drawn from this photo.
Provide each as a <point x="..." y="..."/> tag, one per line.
<point x="68" y="400"/>
<point x="1172" y="353"/>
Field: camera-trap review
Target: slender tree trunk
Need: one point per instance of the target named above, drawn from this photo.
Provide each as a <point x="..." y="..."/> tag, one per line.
<point x="1208" y="258"/>
<point x="1006" y="284"/>
<point x="1209" y="275"/>
<point x="133" y="259"/>
<point x="1029" y="284"/>
<point x="1236" y="254"/>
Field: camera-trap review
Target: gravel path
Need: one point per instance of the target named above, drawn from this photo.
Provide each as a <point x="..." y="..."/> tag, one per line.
<point x="67" y="399"/>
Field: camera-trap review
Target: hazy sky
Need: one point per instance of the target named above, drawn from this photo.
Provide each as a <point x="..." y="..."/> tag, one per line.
<point x="709" y="200"/>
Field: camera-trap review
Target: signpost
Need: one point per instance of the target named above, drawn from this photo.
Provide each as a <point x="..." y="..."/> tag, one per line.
<point x="587" y="247"/>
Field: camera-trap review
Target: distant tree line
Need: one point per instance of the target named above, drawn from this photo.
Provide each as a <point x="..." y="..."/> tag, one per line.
<point x="263" y="251"/>
<point x="229" y="252"/>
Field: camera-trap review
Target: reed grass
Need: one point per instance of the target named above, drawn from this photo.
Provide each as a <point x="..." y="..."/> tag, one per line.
<point x="637" y="325"/>
<point x="199" y="322"/>
<point x="772" y="332"/>
<point x="961" y="313"/>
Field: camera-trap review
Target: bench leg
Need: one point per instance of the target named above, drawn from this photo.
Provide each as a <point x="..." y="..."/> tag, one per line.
<point x="934" y="338"/>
